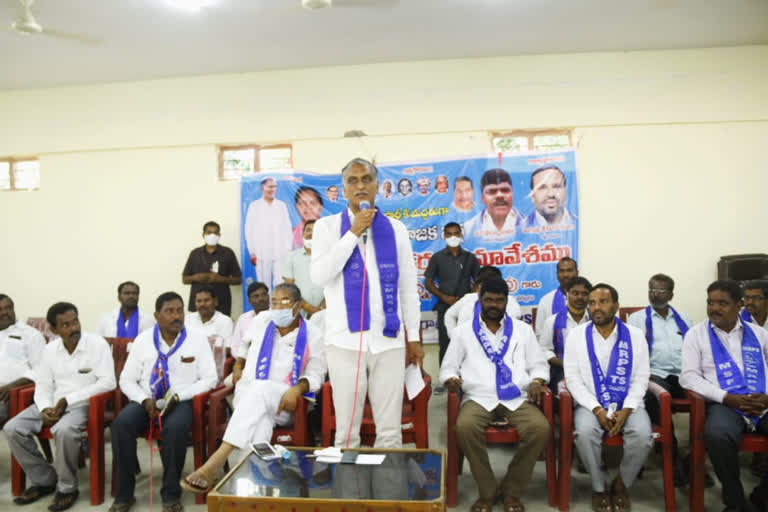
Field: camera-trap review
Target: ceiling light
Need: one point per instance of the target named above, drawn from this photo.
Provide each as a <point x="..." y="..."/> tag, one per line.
<point x="191" y="5"/>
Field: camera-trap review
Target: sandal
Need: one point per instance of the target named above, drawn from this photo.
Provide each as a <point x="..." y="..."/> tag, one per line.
<point x="512" y="504"/>
<point x="620" y="500"/>
<point x="197" y="489"/>
<point x="34" y="493"/>
<point x="481" y="505"/>
<point x="62" y="501"/>
<point x="601" y="502"/>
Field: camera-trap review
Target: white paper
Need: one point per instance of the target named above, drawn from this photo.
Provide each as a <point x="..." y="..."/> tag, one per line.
<point x="330" y="455"/>
<point x="414" y="383"/>
<point x="370" y="458"/>
<point x="328" y="459"/>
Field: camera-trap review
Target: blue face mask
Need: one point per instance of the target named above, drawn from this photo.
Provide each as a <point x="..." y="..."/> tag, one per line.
<point x="283" y="317"/>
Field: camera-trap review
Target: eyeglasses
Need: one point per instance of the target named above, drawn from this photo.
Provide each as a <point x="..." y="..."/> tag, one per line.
<point x="659" y="290"/>
<point x="751" y="298"/>
<point x="283" y="302"/>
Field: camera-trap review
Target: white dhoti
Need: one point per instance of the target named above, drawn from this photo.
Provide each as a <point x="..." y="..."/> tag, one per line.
<point x="255" y="417"/>
<point x="382" y="377"/>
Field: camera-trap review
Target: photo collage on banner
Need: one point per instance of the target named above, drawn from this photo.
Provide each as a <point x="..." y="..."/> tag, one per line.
<point x="518" y="212"/>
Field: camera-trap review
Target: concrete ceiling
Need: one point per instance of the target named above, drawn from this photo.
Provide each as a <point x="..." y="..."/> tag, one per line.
<point x="146" y="39"/>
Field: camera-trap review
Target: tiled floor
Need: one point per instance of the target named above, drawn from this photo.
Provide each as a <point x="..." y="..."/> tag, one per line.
<point x="647" y="494"/>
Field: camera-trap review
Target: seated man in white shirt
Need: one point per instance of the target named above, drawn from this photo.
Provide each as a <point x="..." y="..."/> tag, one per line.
<point x="206" y="319"/>
<point x="21" y="348"/>
<point x="724" y="360"/>
<point x="285" y="361"/>
<point x="554" y="302"/>
<point x="756" y="303"/>
<point x="664" y="328"/>
<point x="606" y="369"/>
<point x="74" y="367"/>
<point x="127" y="321"/>
<point x="463" y="310"/>
<point x="557" y="327"/>
<point x="258" y="298"/>
<point x="495" y="344"/>
<point x="167" y="366"/>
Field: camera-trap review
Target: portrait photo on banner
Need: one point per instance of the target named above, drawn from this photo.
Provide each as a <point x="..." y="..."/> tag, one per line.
<point x="519" y="212"/>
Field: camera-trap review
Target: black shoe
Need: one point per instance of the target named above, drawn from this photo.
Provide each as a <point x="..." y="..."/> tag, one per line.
<point x="62" y="501"/>
<point x="122" y="507"/>
<point x="680" y="476"/>
<point x="34" y="493"/>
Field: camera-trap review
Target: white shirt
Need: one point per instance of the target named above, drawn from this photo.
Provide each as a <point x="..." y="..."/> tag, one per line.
<point x="466" y="359"/>
<point x="298" y="267"/>
<point x="218" y="325"/>
<point x="87" y="371"/>
<point x="482" y="226"/>
<point x="548" y="332"/>
<point x="268" y="231"/>
<point x="463" y="310"/>
<point x="330" y="253"/>
<point x="764" y="325"/>
<point x="282" y="354"/>
<point x="108" y="323"/>
<point x="241" y="327"/>
<point x="578" y="369"/>
<point x="698" y="373"/>
<point x="666" y="350"/>
<point x="21" y="347"/>
<point x="191" y="368"/>
<point x="544" y="310"/>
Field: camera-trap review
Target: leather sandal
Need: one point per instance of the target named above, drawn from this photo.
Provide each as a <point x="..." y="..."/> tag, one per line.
<point x="62" y="501"/>
<point x="513" y="504"/>
<point x="197" y="489"/>
<point x="34" y="493"/>
<point x="481" y="505"/>
<point x="601" y="502"/>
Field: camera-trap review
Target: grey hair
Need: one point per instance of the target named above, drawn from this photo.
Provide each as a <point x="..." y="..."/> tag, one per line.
<point x="362" y="162"/>
<point x="291" y="288"/>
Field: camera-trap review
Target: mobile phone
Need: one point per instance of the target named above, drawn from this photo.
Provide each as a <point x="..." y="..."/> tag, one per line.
<point x="265" y="451"/>
<point x="349" y="457"/>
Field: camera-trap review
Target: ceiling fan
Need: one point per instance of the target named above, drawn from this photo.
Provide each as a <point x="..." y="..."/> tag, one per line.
<point x="27" y="25"/>
<point x="325" y="4"/>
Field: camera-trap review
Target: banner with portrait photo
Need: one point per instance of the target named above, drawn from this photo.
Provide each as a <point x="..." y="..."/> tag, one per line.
<point x="518" y="212"/>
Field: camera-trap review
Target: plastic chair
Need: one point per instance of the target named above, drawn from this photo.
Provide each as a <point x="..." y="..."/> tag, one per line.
<point x="662" y="434"/>
<point x="750" y="443"/>
<point x="625" y="312"/>
<point x="496" y="435"/>
<point x="415" y="422"/>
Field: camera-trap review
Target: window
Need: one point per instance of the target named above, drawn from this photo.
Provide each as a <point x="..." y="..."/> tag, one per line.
<point x="530" y="140"/>
<point x="19" y="174"/>
<point x="237" y="161"/>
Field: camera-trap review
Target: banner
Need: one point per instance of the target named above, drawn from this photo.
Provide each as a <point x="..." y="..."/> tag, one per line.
<point x="518" y="212"/>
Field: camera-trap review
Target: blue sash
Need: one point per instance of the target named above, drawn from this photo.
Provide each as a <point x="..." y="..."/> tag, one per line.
<point x="558" y="302"/>
<point x="159" y="378"/>
<point x="505" y="388"/>
<point x="558" y="341"/>
<point x="649" y="325"/>
<point x="745" y="316"/>
<point x="264" y="362"/>
<point x="729" y="377"/>
<point x="133" y="325"/>
<point x="386" y="260"/>
<point x="612" y="386"/>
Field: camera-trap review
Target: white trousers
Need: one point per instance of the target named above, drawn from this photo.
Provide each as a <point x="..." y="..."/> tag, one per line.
<point x="254" y="417"/>
<point x="382" y="377"/>
<point x="269" y="271"/>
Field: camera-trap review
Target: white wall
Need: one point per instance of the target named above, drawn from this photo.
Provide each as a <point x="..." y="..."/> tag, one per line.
<point x="670" y="147"/>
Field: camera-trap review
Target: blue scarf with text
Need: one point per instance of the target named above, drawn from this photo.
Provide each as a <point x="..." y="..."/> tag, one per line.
<point x="159" y="378"/>
<point x="505" y="388"/>
<point x="612" y="386"/>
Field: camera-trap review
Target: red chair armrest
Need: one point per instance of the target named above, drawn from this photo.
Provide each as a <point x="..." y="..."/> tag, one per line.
<point x="547" y="408"/>
<point x="14" y="405"/>
<point x="26" y="397"/>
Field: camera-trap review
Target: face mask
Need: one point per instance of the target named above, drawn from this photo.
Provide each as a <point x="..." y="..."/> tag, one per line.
<point x="453" y="241"/>
<point x="211" y="239"/>
<point x="283" y="317"/>
<point x="308" y="243"/>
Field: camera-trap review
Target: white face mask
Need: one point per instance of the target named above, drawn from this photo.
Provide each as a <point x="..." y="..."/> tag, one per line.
<point x="211" y="239"/>
<point x="308" y="243"/>
<point x="453" y="241"/>
<point x="283" y="317"/>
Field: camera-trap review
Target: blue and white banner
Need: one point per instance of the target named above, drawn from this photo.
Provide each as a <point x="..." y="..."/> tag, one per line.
<point x="518" y="212"/>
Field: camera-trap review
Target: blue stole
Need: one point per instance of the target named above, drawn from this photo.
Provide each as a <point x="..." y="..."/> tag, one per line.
<point x="505" y="388"/>
<point x="386" y="260"/>
<point x="558" y="341"/>
<point x="159" y="379"/>
<point x="558" y="302"/>
<point x="612" y="386"/>
<point x="649" y="325"/>
<point x="264" y="362"/>
<point x="133" y="324"/>
<point x="729" y="377"/>
<point x="745" y="316"/>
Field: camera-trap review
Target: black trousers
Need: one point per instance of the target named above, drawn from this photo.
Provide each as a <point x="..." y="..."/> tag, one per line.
<point x="442" y="332"/>
<point x="671" y="384"/>
<point x="133" y="422"/>
<point x="723" y="431"/>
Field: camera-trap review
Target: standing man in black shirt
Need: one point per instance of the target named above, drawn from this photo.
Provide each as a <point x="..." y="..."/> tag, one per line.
<point x="454" y="269"/>
<point x="214" y="265"/>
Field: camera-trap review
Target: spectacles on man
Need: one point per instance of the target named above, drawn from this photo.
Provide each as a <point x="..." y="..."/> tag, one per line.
<point x="282" y="302"/>
<point x="658" y="290"/>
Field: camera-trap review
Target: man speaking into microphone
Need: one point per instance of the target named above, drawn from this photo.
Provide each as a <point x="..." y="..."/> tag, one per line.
<point x="364" y="261"/>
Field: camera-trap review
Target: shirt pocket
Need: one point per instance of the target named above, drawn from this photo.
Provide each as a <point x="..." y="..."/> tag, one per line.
<point x="186" y="366"/>
<point x="15" y="349"/>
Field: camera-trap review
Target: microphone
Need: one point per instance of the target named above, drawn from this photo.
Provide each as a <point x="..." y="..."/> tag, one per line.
<point x="365" y="205"/>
